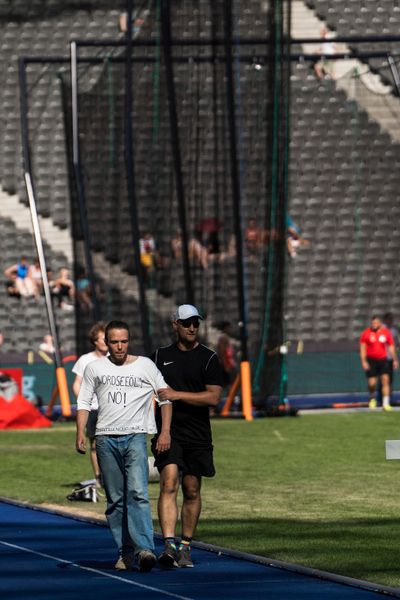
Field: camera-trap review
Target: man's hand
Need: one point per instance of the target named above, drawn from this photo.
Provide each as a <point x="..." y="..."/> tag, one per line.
<point x="395" y="364"/>
<point x="163" y="442"/>
<point x="168" y="394"/>
<point x="80" y="444"/>
<point x="365" y="365"/>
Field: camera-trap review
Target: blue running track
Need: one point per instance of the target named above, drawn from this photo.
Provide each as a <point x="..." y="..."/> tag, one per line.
<point x="48" y="556"/>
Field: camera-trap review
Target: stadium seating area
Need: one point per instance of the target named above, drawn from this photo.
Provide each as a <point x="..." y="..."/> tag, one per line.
<point x="363" y="18"/>
<point x="343" y="179"/>
<point x="342" y="194"/>
<point x="23" y="321"/>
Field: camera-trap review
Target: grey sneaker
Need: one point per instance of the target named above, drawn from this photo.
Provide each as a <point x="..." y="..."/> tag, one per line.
<point x="169" y="557"/>
<point x="184" y="558"/>
<point x="146" y="561"/>
<point x="125" y="563"/>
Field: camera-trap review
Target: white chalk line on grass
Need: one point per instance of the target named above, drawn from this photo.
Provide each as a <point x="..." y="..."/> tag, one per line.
<point x="97" y="571"/>
<point x="278" y="435"/>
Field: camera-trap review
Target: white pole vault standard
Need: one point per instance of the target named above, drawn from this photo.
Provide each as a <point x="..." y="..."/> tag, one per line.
<point x="97" y="571"/>
<point x="60" y="372"/>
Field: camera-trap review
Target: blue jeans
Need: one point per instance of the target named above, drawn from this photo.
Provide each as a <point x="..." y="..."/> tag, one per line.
<point x="124" y="468"/>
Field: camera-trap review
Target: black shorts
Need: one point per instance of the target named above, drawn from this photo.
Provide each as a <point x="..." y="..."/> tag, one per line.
<point x="91" y="424"/>
<point x="378" y="367"/>
<point x="191" y="460"/>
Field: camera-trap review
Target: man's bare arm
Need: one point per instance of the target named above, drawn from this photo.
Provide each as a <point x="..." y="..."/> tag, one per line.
<point x="363" y="356"/>
<point x="76" y="386"/>
<point x="164" y="438"/>
<point x="210" y="397"/>
<point x="81" y="421"/>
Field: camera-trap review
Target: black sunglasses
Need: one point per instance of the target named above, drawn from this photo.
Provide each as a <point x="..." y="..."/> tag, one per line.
<point x="186" y="323"/>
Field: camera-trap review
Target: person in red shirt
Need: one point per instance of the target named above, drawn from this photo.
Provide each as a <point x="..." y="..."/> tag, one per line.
<point x="375" y="342"/>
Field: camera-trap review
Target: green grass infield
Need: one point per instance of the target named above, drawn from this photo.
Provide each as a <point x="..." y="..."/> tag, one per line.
<point x="314" y="490"/>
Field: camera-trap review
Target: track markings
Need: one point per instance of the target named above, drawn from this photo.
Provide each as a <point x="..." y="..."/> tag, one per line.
<point x="97" y="571"/>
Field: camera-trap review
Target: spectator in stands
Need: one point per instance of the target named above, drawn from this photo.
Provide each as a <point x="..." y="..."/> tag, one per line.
<point x="294" y="241"/>
<point x="230" y="251"/>
<point x="375" y="341"/>
<point x="47" y="345"/>
<point x="226" y="353"/>
<point x="148" y="256"/>
<point x="176" y="246"/>
<point x="84" y="292"/>
<point x="96" y="338"/>
<point x="11" y="288"/>
<point x="269" y="236"/>
<point x="198" y="253"/>
<point x="64" y="289"/>
<point x="137" y="24"/>
<point x="324" y="68"/>
<point x="54" y="290"/>
<point x="19" y="274"/>
<point x="207" y="234"/>
<point x="253" y="238"/>
<point x="1" y="339"/>
<point x="35" y="274"/>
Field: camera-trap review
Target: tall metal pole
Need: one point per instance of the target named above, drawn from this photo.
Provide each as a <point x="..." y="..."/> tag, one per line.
<point x="130" y="177"/>
<point x="176" y="151"/>
<point x="395" y="72"/>
<point x="80" y="188"/>
<point x="60" y="372"/>
<point x="237" y="215"/>
<point x="237" y="209"/>
<point x="287" y="96"/>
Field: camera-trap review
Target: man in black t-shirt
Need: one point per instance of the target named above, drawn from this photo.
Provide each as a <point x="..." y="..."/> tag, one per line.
<point x="194" y="377"/>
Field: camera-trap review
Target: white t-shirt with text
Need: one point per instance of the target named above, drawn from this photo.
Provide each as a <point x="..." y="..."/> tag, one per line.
<point x="125" y="395"/>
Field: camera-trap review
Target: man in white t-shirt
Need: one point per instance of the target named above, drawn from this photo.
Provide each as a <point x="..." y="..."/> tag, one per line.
<point x="96" y="337"/>
<point x="125" y="386"/>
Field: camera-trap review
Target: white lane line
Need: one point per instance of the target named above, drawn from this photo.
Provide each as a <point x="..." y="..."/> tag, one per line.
<point x="97" y="571"/>
<point x="278" y="435"/>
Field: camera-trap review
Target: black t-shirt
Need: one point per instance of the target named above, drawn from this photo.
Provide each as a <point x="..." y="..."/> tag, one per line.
<point x="189" y="371"/>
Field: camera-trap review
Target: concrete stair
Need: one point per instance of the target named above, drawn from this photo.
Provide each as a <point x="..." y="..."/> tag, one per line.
<point x="58" y="239"/>
<point x="376" y="98"/>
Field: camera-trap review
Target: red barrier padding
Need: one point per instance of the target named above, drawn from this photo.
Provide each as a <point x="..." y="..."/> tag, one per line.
<point x="19" y="413"/>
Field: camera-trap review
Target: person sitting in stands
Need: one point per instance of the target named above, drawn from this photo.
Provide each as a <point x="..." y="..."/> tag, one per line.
<point x="66" y="290"/>
<point x="253" y="238"/>
<point x="198" y="253"/>
<point x="47" y="345"/>
<point x="19" y="274"/>
<point x="176" y="246"/>
<point x="294" y="240"/>
<point x="84" y="292"/>
<point x="148" y="255"/>
<point x="226" y="352"/>
<point x="35" y="274"/>
<point x="11" y="288"/>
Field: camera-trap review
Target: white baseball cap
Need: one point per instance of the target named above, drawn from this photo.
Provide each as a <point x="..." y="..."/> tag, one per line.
<point x="185" y="311"/>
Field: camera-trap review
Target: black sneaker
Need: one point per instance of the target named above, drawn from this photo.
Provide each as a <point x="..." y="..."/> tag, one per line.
<point x="146" y="561"/>
<point x="184" y="558"/>
<point x="169" y="557"/>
